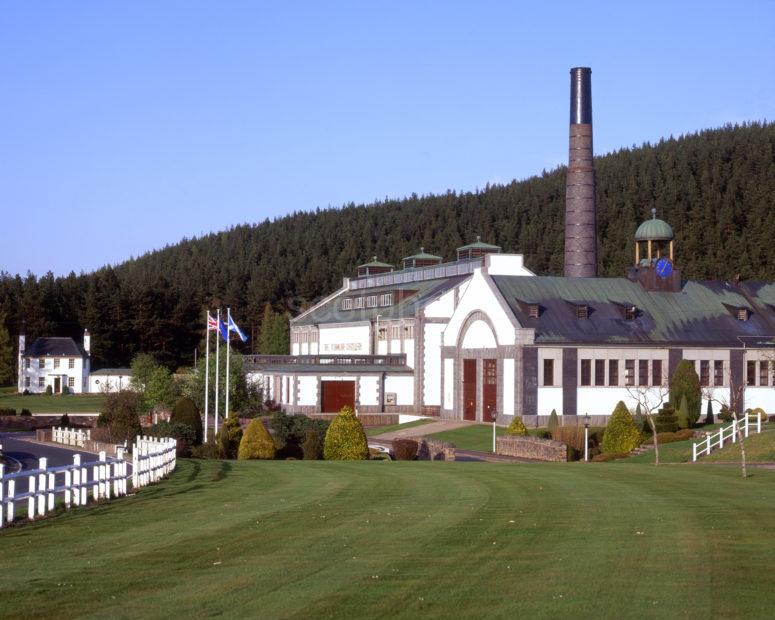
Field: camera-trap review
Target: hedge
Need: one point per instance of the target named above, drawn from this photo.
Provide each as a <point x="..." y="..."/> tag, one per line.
<point x="185" y="412"/>
<point x="256" y="442"/>
<point x="517" y="427"/>
<point x="621" y="434"/>
<point x="345" y="438"/>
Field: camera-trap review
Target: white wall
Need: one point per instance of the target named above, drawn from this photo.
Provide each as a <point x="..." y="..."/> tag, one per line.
<point x="78" y="373"/>
<point x="308" y="391"/>
<point x="108" y="383"/>
<point x="449" y="384"/>
<point x="763" y="397"/>
<point x="369" y="391"/>
<point x="344" y="340"/>
<point x="508" y="386"/>
<point x="443" y="307"/>
<point x="479" y="336"/>
<point x="403" y="386"/>
<point x="549" y="398"/>
<point x="409" y="350"/>
<point x="432" y="364"/>
<point x="479" y="296"/>
<point x="507" y="265"/>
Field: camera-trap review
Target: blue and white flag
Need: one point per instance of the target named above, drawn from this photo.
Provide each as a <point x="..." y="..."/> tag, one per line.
<point x="223" y="331"/>
<point x="233" y="327"/>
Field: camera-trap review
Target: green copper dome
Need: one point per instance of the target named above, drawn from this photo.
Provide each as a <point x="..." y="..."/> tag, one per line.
<point x="654" y="230"/>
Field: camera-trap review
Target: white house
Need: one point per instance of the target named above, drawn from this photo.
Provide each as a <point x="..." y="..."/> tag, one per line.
<point x="58" y="363"/>
<point x="109" y="380"/>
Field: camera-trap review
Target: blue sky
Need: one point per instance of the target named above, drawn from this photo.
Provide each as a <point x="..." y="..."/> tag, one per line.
<point x="127" y="126"/>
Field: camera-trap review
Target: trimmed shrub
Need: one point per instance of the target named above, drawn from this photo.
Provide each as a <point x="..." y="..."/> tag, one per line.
<point x="25" y="412"/>
<point x="554" y="422"/>
<point x="517" y="427"/>
<point x="573" y="437"/>
<point x="621" y="435"/>
<point x="7" y="411"/>
<point x="683" y="414"/>
<point x="759" y="413"/>
<point x="64" y="420"/>
<point x="666" y="421"/>
<point x="209" y="450"/>
<point x="185" y="412"/>
<point x="725" y="414"/>
<point x="667" y="437"/>
<point x="685" y="382"/>
<point x="684" y="434"/>
<point x="65" y="390"/>
<point x="613" y="456"/>
<point x="120" y="416"/>
<point x="543" y="433"/>
<point x="290" y="432"/>
<point x="49" y="390"/>
<point x="345" y="438"/>
<point x="709" y="413"/>
<point x="312" y="448"/>
<point x="256" y="442"/>
<point x="405" y="449"/>
<point x="229" y="438"/>
<point x="183" y="433"/>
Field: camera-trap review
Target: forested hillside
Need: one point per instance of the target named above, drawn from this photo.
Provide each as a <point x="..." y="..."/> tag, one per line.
<point x="717" y="189"/>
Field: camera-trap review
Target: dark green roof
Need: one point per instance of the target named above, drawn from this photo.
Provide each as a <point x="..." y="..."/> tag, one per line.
<point x="425" y="291"/>
<point x="423" y="255"/>
<point x="375" y="263"/>
<point x="654" y="230"/>
<point x="479" y="245"/>
<point x="702" y="313"/>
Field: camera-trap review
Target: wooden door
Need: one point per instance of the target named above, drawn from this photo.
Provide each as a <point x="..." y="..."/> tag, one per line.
<point x="57" y="385"/>
<point x="489" y="388"/>
<point x="337" y="394"/>
<point x="469" y="389"/>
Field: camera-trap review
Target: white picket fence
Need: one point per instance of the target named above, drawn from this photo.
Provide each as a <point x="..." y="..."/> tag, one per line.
<point x="70" y="436"/>
<point x="152" y="459"/>
<point x="726" y="434"/>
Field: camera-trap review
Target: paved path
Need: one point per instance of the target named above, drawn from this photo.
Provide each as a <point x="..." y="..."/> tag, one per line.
<point x="425" y="429"/>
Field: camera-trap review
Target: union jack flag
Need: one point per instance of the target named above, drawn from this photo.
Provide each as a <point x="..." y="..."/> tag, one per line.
<point x="212" y="324"/>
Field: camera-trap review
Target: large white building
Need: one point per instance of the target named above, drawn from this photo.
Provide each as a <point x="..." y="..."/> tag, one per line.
<point x="58" y="363"/>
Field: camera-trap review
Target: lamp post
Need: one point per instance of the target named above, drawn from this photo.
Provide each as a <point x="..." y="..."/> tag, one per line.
<point x="586" y="437"/>
<point x="494" y="415"/>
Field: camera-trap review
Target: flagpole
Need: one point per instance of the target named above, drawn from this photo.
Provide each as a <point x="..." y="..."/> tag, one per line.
<point x="228" y="351"/>
<point x="207" y="373"/>
<point x="217" y="366"/>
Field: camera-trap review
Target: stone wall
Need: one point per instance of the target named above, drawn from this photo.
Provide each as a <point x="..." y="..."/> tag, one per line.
<point x="434" y="450"/>
<point x="367" y="419"/>
<point x="532" y="448"/>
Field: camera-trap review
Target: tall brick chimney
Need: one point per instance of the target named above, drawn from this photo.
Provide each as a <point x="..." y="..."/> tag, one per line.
<point x="580" y="216"/>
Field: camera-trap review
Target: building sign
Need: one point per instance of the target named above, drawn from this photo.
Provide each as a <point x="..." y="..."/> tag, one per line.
<point x="346" y="346"/>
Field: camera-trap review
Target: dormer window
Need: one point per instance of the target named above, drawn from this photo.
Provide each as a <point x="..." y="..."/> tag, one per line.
<point x="582" y="311"/>
<point x="533" y="311"/>
<point x="386" y="299"/>
<point x="743" y="314"/>
<point x="347" y="303"/>
<point x="358" y="303"/>
<point x="630" y="312"/>
<point x="371" y="301"/>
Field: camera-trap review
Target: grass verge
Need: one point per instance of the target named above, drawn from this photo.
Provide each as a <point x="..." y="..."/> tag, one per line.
<point x="42" y="403"/>
<point x="378" y="430"/>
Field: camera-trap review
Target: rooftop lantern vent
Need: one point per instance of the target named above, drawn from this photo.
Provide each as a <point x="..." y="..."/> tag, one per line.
<point x="743" y="314"/>
<point x="582" y="311"/>
<point x="477" y="249"/>
<point x="630" y="312"/>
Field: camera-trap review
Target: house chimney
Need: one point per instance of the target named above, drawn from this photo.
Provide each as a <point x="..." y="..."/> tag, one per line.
<point x="87" y="341"/>
<point x="580" y="217"/>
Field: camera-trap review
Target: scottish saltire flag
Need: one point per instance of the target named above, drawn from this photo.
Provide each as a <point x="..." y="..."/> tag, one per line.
<point x="233" y="327"/>
<point x="223" y="331"/>
<point x="212" y="324"/>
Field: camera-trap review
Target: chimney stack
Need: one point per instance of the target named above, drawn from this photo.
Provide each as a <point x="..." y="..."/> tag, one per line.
<point x="580" y="216"/>
<point x="87" y="341"/>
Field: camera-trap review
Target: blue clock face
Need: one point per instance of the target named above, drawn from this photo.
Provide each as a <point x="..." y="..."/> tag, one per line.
<point x="664" y="267"/>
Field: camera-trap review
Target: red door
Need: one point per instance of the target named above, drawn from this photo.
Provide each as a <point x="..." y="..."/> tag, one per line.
<point x="337" y="394"/>
<point x="489" y="388"/>
<point x="469" y="389"/>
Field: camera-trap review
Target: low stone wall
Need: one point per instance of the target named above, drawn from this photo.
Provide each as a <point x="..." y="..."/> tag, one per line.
<point x="434" y="449"/>
<point x="531" y="448"/>
<point x="44" y="435"/>
<point x="367" y="419"/>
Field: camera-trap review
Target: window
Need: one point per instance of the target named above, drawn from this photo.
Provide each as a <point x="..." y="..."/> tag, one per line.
<point x="371" y="301"/>
<point x="386" y="299"/>
<point x="26" y="381"/>
<point x="630" y="312"/>
<point x="643" y="372"/>
<point x="742" y="314"/>
<point x="629" y="372"/>
<point x="42" y="362"/>
<point x="41" y="381"/>
<point x="613" y="372"/>
<point x="27" y="362"/>
<point x="599" y="372"/>
<point x="347" y="303"/>
<point x="395" y="332"/>
<point x="582" y="311"/>
<point x="750" y="378"/>
<point x="718" y="372"/>
<point x="586" y="372"/>
<point x="656" y="372"/>
<point x="382" y="333"/>
<point x="533" y="311"/>
<point x="71" y="363"/>
<point x="548" y="372"/>
<point x="764" y="373"/>
<point x="409" y="331"/>
<point x="56" y="362"/>
<point x="71" y="382"/>
<point x="704" y="373"/>
<point x="358" y="303"/>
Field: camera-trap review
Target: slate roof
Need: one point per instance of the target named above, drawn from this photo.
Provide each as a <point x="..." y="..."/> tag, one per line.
<point x="54" y="347"/>
<point x="426" y="291"/>
<point x="703" y="313"/>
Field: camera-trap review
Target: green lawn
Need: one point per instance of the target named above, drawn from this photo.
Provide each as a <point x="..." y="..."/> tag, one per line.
<point x="476" y="436"/>
<point x="378" y="430"/>
<point x="406" y="539"/>
<point x="41" y="403"/>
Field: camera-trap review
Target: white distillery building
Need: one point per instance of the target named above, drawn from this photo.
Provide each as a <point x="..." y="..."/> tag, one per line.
<point x="57" y="363"/>
<point x="109" y="380"/>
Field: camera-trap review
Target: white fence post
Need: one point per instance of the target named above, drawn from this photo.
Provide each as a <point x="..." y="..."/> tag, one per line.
<point x="68" y="488"/>
<point x="84" y="486"/>
<point x="42" y="464"/>
<point x="51" y="487"/>
<point x="11" y="506"/>
<point x="31" y="499"/>
<point x="2" y="486"/>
